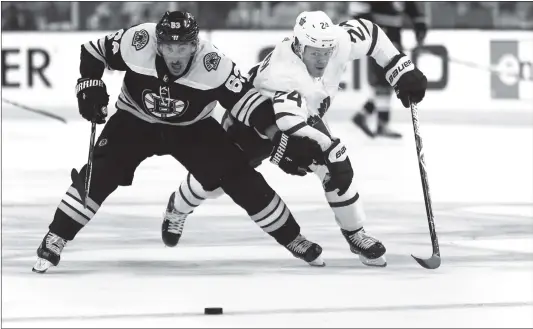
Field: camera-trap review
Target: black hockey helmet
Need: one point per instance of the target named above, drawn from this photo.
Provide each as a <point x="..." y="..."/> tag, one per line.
<point x="177" y="26"/>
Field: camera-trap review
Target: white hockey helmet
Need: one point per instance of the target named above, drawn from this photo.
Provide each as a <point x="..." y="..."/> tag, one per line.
<point x="314" y="28"/>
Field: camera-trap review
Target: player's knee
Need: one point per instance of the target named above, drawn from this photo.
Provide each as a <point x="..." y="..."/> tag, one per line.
<point x="345" y="200"/>
<point x="345" y="175"/>
<point x="248" y="189"/>
<point x="105" y="178"/>
<point x="243" y="176"/>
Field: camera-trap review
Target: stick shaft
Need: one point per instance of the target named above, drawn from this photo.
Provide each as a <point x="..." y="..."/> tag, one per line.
<point x="424" y="179"/>
<point x="89" y="168"/>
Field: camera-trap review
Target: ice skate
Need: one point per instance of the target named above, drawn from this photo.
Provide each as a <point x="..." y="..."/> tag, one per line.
<point x="385" y="131"/>
<point x="173" y="223"/>
<point x="306" y="250"/>
<point x="49" y="252"/>
<point x="370" y="250"/>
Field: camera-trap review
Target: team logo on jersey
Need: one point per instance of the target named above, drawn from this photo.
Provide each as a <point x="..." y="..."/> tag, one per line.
<point x="162" y="106"/>
<point x="324" y="106"/>
<point x="140" y="39"/>
<point x="302" y="21"/>
<point x="211" y="61"/>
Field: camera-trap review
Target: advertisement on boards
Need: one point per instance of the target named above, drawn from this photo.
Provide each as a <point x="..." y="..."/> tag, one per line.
<point x="470" y="70"/>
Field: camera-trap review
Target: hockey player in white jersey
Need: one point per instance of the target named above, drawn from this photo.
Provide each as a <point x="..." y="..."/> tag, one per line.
<point x="302" y="76"/>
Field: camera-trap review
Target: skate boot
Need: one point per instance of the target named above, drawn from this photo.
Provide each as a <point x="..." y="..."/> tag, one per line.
<point x="370" y="250"/>
<point x="385" y="131"/>
<point x="306" y="250"/>
<point x="173" y="223"/>
<point x="360" y="121"/>
<point x="49" y="252"/>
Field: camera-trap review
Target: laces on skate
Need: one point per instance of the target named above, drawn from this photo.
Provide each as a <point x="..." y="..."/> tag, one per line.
<point x="176" y="221"/>
<point x="55" y="243"/>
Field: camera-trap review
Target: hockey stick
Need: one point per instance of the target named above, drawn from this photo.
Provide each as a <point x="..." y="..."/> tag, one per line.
<point x="434" y="261"/>
<point x="76" y="181"/>
<point x="45" y="113"/>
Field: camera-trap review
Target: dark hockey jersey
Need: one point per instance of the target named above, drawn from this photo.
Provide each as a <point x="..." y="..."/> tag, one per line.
<point x="387" y="13"/>
<point x="150" y="92"/>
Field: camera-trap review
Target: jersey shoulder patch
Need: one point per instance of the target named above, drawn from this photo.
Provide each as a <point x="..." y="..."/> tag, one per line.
<point x="211" y="61"/>
<point x="140" y="39"/>
<point x="210" y="69"/>
<point x="138" y="47"/>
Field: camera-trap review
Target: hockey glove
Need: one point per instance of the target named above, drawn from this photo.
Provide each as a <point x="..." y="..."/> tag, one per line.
<point x="294" y="154"/>
<point x="408" y="81"/>
<point x="339" y="166"/>
<point x="421" y="29"/>
<point x="92" y="99"/>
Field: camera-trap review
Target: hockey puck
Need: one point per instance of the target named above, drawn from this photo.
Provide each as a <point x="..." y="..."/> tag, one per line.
<point x="213" y="310"/>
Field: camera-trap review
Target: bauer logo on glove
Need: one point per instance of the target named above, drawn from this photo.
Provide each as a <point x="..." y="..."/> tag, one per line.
<point x="399" y="66"/>
<point x="408" y="81"/>
<point x="399" y="69"/>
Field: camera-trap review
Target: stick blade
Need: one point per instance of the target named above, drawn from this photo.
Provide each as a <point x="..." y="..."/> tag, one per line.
<point x="431" y="263"/>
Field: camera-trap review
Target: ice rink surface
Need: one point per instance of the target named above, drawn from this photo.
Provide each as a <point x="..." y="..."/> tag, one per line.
<point x="117" y="272"/>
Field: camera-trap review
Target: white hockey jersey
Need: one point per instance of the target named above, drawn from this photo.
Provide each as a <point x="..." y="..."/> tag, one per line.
<point x="297" y="96"/>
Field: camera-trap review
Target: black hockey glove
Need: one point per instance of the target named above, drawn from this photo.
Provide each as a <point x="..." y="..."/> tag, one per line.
<point x="339" y="166"/>
<point x="92" y="99"/>
<point x="421" y="29"/>
<point x="294" y="154"/>
<point x="408" y="81"/>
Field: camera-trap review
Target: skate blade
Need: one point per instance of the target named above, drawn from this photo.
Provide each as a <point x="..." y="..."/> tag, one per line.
<point x="41" y="266"/>
<point x="377" y="262"/>
<point x="318" y="262"/>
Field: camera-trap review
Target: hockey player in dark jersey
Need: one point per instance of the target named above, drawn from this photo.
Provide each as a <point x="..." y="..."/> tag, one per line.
<point x="389" y="15"/>
<point x="172" y="82"/>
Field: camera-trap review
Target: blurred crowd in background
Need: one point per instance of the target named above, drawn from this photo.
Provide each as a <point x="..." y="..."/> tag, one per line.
<point x="100" y="15"/>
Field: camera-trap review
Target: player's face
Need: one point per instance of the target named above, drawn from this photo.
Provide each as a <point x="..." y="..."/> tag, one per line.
<point x="177" y="55"/>
<point x="316" y="60"/>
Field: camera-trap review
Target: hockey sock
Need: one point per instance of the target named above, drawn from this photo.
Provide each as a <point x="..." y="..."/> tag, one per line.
<point x="348" y="210"/>
<point x="191" y="194"/>
<point x="70" y="216"/>
<point x="249" y="190"/>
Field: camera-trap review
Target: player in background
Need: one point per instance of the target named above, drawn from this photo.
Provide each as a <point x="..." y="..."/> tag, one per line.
<point x="172" y="83"/>
<point x="389" y="15"/>
<point x="301" y="75"/>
